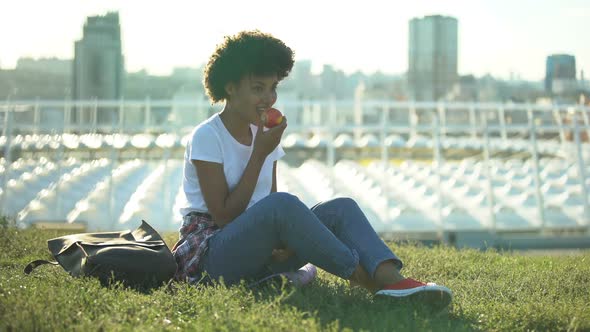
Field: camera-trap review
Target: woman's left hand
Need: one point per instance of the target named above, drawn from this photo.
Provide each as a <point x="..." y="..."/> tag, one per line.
<point x="281" y="255"/>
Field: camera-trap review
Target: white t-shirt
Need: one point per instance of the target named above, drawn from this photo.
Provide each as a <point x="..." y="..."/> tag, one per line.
<point x="211" y="141"/>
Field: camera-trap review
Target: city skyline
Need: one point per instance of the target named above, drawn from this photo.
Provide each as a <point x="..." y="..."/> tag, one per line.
<point x="495" y="37"/>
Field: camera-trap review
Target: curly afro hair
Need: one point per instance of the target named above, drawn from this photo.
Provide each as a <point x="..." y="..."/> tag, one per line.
<point x="246" y="53"/>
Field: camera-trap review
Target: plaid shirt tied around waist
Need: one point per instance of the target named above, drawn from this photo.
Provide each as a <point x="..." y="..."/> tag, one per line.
<point x="195" y="232"/>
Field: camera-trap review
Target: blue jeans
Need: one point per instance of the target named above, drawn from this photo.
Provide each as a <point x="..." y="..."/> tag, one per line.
<point x="334" y="235"/>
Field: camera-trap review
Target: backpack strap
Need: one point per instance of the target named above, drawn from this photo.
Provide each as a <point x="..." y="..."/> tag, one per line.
<point x="34" y="264"/>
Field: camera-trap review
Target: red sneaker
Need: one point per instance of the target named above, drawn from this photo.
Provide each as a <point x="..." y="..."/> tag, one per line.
<point x="430" y="293"/>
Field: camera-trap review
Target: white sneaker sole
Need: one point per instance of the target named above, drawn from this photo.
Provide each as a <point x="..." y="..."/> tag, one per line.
<point x="410" y="291"/>
<point x="434" y="296"/>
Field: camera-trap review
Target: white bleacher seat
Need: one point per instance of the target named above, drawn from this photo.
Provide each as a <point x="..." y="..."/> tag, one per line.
<point x="555" y="217"/>
<point x="419" y="142"/>
<point x="508" y="219"/>
<point x="395" y="141"/>
<point x="343" y="141"/>
<point x="293" y="140"/>
<point x="410" y="220"/>
<point x="456" y="218"/>
<point x="368" y="141"/>
<point x="316" y="141"/>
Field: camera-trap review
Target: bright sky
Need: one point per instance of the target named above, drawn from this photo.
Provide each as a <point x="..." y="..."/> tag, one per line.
<point x="495" y="36"/>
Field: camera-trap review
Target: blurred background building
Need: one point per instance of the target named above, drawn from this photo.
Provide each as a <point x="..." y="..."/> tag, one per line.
<point x="432" y="56"/>
<point x="53" y="66"/>
<point x="98" y="64"/>
<point x="560" y="73"/>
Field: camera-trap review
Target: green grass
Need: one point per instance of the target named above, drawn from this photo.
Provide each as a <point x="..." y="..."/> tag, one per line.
<point x="493" y="291"/>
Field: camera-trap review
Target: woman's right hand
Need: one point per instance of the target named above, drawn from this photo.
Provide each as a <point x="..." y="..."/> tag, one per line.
<point x="266" y="141"/>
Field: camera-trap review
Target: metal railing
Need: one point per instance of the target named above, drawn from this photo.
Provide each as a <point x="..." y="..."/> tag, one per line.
<point x="566" y="125"/>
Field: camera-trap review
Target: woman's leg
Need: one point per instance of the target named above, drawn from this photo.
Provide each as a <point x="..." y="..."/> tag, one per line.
<point x="243" y="248"/>
<point x="346" y="220"/>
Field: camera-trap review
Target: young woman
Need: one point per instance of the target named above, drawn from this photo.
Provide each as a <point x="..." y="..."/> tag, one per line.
<point x="236" y="225"/>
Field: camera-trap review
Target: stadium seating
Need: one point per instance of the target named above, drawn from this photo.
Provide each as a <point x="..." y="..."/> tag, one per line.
<point x="504" y="193"/>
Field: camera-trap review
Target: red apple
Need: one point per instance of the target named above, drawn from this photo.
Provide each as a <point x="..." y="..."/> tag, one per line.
<point x="272" y="117"/>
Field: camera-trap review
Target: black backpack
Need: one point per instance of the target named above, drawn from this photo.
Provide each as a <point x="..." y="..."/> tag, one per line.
<point x="139" y="259"/>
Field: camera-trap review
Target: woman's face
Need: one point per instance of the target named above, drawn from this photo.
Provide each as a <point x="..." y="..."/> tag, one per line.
<point x="253" y="95"/>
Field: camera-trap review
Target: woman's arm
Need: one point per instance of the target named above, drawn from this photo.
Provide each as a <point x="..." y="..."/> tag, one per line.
<point x="223" y="205"/>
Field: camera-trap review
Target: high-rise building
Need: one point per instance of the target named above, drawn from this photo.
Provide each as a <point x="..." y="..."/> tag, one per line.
<point x="98" y="65"/>
<point x="560" y="73"/>
<point x="432" y="57"/>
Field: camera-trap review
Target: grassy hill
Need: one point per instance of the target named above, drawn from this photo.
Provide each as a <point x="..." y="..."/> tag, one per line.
<point x="493" y="291"/>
